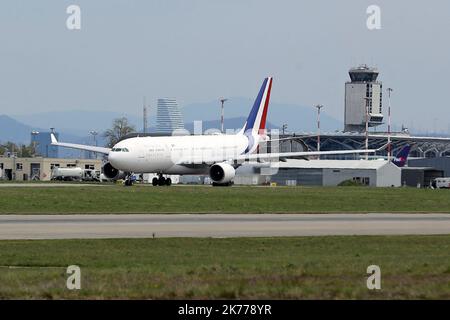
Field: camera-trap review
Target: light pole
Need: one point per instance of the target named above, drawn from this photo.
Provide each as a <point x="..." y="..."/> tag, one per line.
<point x="94" y="134"/>
<point x="283" y="128"/>
<point x="367" y="126"/>
<point x="14" y="162"/>
<point x="144" y="117"/>
<point x="319" y="106"/>
<point x="34" y="134"/>
<point x="389" y="90"/>
<point x="222" y="100"/>
<point x="52" y="131"/>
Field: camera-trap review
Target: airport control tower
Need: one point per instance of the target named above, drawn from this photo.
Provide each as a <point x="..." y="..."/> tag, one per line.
<point x="363" y="93"/>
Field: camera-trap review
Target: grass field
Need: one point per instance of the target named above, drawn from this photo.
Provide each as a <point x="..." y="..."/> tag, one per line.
<point x="287" y="268"/>
<point x="204" y="199"/>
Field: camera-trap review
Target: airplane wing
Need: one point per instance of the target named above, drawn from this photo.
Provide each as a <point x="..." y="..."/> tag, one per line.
<point x="79" y="146"/>
<point x="269" y="156"/>
<point x="281" y="155"/>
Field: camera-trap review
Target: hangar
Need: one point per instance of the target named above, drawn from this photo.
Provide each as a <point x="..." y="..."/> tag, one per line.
<point x="374" y="173"/>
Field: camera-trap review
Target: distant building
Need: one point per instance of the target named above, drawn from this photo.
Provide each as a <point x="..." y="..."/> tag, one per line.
<point x="374" y="173"/>
<point x="42" y="143"/>
<point x="420" y="177"/>
<point x="362" y="93"/>
<point x="439" y="163"/>
<point x="168" y="116"/>
<point x="39" y="168"/>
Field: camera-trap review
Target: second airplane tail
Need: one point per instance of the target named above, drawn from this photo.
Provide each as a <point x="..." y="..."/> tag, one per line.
<point x="402" y="156"/>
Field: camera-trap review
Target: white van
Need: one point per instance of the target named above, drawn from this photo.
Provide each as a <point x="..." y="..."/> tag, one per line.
<point x="442" y="183"/>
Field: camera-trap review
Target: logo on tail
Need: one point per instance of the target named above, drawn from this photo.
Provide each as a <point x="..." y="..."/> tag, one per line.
<point x="402" y="156"/>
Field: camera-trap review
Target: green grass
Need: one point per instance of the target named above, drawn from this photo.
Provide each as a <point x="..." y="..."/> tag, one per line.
<point x="204" y="199"/>
<point x="415" y="267"/>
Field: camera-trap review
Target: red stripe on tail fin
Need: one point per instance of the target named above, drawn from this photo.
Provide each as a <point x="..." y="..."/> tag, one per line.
<point x="262" y="125"/>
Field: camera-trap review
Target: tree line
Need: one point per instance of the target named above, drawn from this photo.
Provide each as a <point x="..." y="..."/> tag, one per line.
<point x="21" y="150"/>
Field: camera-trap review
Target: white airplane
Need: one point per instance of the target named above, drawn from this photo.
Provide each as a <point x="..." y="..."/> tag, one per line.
<point x="215" y="155"/>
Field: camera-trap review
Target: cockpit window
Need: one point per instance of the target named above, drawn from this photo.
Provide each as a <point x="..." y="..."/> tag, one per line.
<point x="120" y="150"/>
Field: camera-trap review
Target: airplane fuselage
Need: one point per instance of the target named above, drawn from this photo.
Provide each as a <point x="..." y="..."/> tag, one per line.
<point x="175" y="154"/>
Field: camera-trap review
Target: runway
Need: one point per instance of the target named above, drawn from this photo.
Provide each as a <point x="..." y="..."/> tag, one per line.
<point x="218" y="225"/>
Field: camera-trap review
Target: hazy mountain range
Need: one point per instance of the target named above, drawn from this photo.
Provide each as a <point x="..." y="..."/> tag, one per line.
<point x="75" y="125"/>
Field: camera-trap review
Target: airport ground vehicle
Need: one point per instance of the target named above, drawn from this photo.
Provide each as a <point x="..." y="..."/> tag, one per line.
<point x="75" y="174"/>
<point x="441" y="183"/>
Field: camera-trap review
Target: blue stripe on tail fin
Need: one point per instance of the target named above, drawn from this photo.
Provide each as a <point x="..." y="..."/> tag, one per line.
<point x="250" y="123"/>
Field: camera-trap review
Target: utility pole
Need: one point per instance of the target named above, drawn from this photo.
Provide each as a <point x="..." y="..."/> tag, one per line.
<point x="389" y="90"/>
<point x="319" y="106"/>
<point x="222" y="100"/>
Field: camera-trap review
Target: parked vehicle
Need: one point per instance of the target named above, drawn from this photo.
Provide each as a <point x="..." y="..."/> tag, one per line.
<point x="441" y="183"/>
<point x="75" y="174"/>
<point x="67" y="174"/>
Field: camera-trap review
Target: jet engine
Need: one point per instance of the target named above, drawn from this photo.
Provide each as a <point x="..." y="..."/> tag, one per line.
<point x="112" y="173"/>
<point x="222" y="174"/>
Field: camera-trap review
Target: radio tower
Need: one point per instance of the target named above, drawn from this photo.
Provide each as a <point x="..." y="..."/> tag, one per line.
<point x="144" y="117"/>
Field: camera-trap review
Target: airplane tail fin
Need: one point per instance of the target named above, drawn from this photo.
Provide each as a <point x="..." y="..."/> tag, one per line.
<point x="402" y="156"/>
<point x="256" y="121"/>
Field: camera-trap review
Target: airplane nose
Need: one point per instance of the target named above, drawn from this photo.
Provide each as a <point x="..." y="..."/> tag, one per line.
<point x="112" y="158"/>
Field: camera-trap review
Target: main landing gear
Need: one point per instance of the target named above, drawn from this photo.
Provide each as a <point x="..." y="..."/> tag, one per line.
<point x="161" y="181"/>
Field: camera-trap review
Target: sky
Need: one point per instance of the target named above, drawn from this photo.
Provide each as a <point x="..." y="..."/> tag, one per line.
<point x="200" y="50"/>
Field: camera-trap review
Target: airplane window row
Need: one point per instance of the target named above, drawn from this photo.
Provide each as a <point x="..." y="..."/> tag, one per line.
<point x="120" y="150"/>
